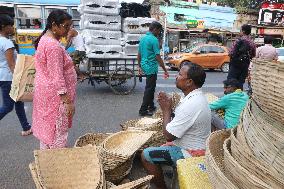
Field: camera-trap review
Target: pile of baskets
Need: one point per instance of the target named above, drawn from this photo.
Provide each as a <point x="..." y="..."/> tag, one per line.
<point x="152" y="124"/>
<point x="97" y="161"/>
<point x="117" y="150"/>
<point x="268" y="87"/>
<point x="147" y="124"/>
<point x="252" y="154"/>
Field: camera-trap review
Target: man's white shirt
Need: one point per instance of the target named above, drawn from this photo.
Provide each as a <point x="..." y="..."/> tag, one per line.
<point x="192" y="122"/>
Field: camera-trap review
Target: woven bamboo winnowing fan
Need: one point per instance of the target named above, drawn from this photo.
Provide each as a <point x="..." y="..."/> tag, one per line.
<point x="69" y="168"/>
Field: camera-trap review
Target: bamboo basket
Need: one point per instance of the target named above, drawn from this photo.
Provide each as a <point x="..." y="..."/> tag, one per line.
<point x="94" y="139"/>
<point x="126" y="143"/>
<point x="158" y="114"/>
<point x="119" y="147"/>
<point x="130" y="123"/>
<point x="63" y="168"/>
<point x="109" y="185"/>
<point x="215" y="160"/>
<point x="211" y="98"/>
<point x="175" y="100"/>
<point x="156" y="140"/>
<point x="156" y="124"/>
<point x="244" y="156"/>
<point x="241" y="176"/>
<point x="268" y="87"/>
<point x="117" y="174"/>
<point x="142" y="183"/>
<point x="263" y="137"/>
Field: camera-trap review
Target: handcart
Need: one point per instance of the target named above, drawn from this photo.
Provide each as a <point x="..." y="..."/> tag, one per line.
<point x="119" y="73"/>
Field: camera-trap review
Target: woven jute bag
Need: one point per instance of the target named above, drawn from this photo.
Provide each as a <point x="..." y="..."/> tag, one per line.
<point x="263" y="137"/>
<point x="268" y="87"/>
<point x="63" y="168"/>
<point x="239" y="175"/>
<point x="242" y="153"/>
<point x="142" y="183"/>
<point x="215" y="160"/>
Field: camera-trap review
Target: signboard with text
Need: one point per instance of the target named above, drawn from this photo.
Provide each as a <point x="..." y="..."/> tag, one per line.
<point x="195" y="23"/>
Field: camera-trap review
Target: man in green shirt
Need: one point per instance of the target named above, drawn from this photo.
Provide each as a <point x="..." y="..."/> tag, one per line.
<point x="148" y="60"/>
<point x="232" y="103"/>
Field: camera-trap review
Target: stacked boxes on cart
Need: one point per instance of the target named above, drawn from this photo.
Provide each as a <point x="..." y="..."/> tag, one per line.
<point x="135" y="23"/>
<point x="101" y="28"/>
<point x="106" y="34"/>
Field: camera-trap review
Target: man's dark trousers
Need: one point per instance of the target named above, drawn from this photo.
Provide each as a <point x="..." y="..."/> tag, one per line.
<point x="149" y="93"/>
<point x="239" y="72"/>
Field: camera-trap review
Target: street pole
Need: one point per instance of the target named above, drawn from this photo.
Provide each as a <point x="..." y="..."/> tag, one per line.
<point x="165" y="32"/>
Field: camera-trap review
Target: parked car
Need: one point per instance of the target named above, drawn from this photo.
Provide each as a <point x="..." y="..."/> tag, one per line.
<point x="207" y="55"/>
<point x="280" y="52"/>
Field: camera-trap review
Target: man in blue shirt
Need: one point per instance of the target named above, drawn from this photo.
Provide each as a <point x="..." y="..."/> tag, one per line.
<point x="232" y="103"/>
<point x="148" y="60"/>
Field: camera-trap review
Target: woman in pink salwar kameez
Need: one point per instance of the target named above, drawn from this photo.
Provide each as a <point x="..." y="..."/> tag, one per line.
<point x="55" y="84"/>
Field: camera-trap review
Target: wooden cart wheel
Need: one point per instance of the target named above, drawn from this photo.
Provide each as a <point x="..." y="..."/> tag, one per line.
<point x="122" y="81"/>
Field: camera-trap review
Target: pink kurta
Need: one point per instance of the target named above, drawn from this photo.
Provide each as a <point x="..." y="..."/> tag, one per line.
<point x="55" y="74"/>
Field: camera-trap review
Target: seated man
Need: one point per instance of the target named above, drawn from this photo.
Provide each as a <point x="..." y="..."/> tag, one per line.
<point x="187" y="131"/>
<point x="232" y="103"/>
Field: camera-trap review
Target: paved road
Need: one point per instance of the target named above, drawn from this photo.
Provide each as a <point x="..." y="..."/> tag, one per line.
<point x="97" y="110"/>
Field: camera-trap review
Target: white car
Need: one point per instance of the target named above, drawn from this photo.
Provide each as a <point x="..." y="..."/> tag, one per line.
<point x="280" y="52"/>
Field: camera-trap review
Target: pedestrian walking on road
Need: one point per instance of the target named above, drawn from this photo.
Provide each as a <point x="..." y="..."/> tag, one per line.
<point x="242" y="52"/>
<point x="55" y="84"/>
<point x="148" y="60"/>
<point x="8" y="57"/>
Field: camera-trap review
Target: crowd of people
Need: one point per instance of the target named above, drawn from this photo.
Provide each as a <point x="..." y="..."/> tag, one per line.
<point x="186" y="129"/>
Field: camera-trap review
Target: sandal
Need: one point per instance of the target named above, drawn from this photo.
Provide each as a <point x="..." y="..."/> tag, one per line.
<point x="26" y="133"/>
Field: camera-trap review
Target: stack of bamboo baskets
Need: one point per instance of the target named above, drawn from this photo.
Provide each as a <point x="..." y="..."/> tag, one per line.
<point x="252" y="154"/>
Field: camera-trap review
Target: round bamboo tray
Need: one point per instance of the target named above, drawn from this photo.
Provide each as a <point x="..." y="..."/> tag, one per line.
<point x="119" y="147"/>
<point x="241" y="176"/>
<point x="245" y="157"/>
<point x="263" y="137"/>
<point x="268" y="87"/>
<point x="126" y="143"/>
<point x="215" y="160"/>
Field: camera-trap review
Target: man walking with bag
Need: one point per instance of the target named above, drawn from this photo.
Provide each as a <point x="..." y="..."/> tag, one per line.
<point x="148" y="60"/>
<point x="241" y="54"/>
